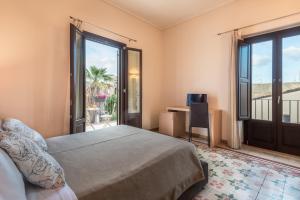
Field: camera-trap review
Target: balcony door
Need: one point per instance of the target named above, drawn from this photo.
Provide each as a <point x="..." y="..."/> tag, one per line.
<point x="262" y="125"/>
<point x="289" y="91"/>
<point x="106" y="83"/>
<point x="77" y="81"/>
<point x="275" y="91"/>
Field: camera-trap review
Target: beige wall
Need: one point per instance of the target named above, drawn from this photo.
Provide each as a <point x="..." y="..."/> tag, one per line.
<point x="190" y="57"/>
<point x="196" y="59"/>
<point x="34" y="59"/>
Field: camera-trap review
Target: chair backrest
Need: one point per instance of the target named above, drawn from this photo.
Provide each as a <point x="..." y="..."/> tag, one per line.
<point x="199" y="115"/>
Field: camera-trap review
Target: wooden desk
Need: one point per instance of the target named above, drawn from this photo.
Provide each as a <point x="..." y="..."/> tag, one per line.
<point x="178" y="108"/>
<point x="215" y="120"/>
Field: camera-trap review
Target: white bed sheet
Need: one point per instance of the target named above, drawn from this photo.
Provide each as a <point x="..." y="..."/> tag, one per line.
<point x="37" y="193"/>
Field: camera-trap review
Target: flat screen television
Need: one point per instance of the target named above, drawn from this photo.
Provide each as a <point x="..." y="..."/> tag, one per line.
<point x="196" y="98"/>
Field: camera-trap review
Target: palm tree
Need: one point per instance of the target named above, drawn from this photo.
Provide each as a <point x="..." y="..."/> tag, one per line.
<point x="98" y="79"/>
<point x="98" y="76"/>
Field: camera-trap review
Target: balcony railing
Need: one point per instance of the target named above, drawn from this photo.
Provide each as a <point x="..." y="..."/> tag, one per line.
<point x="262" y="110"/>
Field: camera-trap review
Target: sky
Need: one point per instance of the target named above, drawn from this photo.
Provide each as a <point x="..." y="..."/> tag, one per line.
<point x="262" y="60"/>
<point x="102" y="56"/>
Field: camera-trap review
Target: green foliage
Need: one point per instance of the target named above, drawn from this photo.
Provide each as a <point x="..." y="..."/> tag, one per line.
<point x="111" y="104"/>
<point x="98" y="80"/>
<point x="114" y="117"/>
<point x="98" y="77"/>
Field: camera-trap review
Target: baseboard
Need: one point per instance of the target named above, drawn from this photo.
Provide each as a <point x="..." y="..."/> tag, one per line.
<point x="154" y="129"/>
<point x="224" y="142"/>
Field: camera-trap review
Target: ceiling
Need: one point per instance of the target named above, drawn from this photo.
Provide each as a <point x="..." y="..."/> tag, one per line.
<point x="167" y="13"/>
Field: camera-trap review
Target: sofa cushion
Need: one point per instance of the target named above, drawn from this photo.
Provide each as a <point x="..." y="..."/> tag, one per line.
<point x="18" y="127"/>
<point x="11" y="180"/>
<point x="36" y="165"/>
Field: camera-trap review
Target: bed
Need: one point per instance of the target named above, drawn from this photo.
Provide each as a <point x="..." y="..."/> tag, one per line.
<point x="128" y="163"/>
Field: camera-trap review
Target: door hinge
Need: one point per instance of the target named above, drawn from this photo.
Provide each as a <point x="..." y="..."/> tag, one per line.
<point x="124" y="91"/>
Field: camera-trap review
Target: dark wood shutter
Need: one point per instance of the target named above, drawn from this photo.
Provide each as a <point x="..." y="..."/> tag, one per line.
<point x="244" y="82"/>
<point x="77" y="81"/>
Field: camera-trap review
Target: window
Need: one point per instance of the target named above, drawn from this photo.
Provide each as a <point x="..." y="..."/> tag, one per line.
<point x="269" y="90"/>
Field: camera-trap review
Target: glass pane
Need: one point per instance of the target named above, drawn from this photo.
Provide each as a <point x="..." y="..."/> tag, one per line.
<point x="262" y="80"/>
<point x="79" y="78"/>
<point x="102" y="64"/>
<point x="291" y="79"/>
<point x="133" y="81"/>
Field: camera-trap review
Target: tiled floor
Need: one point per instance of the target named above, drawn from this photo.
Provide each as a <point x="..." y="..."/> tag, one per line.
<point x="237" y="176"/>
<point x="268" y="154"/>
<point x="259" y="152"/>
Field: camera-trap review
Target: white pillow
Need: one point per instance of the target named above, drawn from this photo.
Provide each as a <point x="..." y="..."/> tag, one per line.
<point x="11" y="180"/>
<point x="36" y="165"/>
<point x="19" y="127"/>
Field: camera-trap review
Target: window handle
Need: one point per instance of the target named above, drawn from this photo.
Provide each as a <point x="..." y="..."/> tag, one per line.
<point x="278" y="99"/>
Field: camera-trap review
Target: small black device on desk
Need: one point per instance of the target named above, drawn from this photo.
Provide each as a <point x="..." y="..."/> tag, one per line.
<point x="196" y="98"/>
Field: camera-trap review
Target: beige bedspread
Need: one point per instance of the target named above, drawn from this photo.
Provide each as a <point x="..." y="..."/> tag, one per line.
<point x="126" y="163"/>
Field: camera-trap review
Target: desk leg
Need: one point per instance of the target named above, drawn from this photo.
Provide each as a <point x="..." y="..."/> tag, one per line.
<point x="215" y="127"/>
<point x="179" y="124"/>
<point x="190" y="134"/>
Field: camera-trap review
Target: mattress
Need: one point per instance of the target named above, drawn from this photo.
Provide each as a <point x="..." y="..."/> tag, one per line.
<point x="126" y="163"/>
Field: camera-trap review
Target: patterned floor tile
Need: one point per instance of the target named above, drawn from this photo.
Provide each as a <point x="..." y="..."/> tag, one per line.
<point x="267" y="196"/>
<point x="288" y="197"/>
<point x="292" y="190"/>
<point x="277" y="178"/>
<point x="293" y="180"/>
<point x="236" y="176"/>
<point x="248" y="195"/>
<point x="272" y="190"/>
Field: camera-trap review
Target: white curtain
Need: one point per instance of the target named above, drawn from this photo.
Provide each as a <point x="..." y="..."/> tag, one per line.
<point x="235" y="130"/>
